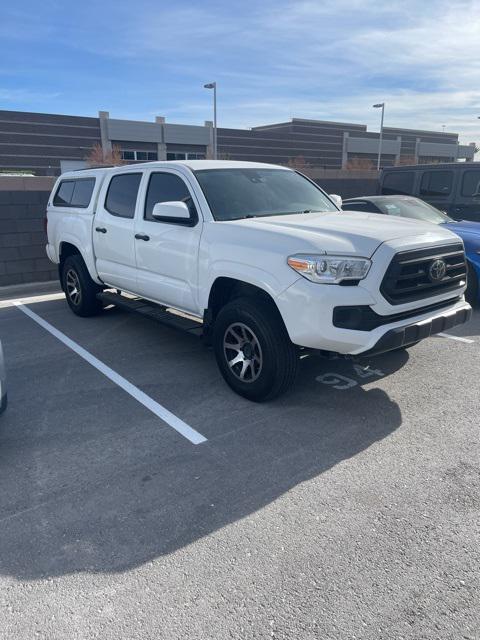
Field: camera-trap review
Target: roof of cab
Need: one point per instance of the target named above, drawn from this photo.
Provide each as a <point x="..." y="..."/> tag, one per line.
<point x="193" y="165"/>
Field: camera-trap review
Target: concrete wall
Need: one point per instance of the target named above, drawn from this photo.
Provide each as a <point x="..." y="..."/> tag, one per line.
<point x="23" y="203"/>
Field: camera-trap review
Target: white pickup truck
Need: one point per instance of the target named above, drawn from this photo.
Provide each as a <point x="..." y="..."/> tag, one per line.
<point x="258" y="258"/>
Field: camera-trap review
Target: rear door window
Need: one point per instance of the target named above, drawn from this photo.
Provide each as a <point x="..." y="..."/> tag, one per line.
<point x="471" y="183"/>
<point x="398" y="182"/>
<point x="74" y="193"/>
<point x="122" y="194"/>
<point x="436" y="183"/>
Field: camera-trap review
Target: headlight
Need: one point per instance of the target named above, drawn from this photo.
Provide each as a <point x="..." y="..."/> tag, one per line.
<point x="329" y="269"/>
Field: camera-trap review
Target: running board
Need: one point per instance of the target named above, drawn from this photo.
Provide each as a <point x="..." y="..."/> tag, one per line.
<point x="153" y="311"/>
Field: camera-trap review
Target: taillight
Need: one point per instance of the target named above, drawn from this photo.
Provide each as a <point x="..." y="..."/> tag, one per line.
<point x="45" y="225"/>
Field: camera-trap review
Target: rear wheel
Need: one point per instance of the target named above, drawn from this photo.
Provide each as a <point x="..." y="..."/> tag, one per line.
<point x="471" y="294"/>
<point x="80" y="290"/>
<point x="253" y="350"/>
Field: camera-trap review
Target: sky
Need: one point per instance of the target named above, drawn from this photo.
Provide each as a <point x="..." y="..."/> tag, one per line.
<point x="272" y="60"/>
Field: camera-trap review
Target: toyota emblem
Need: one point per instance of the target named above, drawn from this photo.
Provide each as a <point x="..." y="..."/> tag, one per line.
<point x="437" y="270"/>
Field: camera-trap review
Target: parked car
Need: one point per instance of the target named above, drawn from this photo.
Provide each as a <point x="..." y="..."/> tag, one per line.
<point x="451" y="187"/>
<point x="258" y="256"/>
<point x="3" y="382"/>
<point x="407" y="207"/>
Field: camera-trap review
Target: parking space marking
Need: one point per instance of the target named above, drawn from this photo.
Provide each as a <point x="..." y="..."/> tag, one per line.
<point x="447" y="335"/>
<point x="164" y="414"/>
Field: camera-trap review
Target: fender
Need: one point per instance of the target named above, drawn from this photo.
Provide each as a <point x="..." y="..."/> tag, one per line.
<point x="86" y="251"/>
<point x="250" y="274"/>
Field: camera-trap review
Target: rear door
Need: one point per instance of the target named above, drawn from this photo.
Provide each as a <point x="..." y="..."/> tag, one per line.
<point x="167" y="249"/>
<point x="114" y="230"/>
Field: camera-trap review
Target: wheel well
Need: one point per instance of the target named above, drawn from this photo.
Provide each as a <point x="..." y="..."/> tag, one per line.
<point x="226" y="289"/>
<point x="66" y="250"/>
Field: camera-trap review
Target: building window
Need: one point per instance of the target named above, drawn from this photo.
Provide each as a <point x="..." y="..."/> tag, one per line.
<point x="139" y="156"/>
<point x="436" y="183"/>
<point x="182" y="155"/>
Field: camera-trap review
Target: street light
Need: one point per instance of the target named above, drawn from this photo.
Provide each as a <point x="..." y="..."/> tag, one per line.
<point x="213" y="85"/>
<point x="380" y="105"/>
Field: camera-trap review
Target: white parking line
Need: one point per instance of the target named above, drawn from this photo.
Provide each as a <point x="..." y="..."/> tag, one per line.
<point x="447" y="335"/>
<point x="164" y="414"/>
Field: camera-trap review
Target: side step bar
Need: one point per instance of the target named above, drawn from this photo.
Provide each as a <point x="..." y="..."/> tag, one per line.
<point x="153" y="311"/>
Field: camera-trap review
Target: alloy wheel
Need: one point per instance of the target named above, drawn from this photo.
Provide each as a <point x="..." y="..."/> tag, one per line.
<point x="243" y="352"/>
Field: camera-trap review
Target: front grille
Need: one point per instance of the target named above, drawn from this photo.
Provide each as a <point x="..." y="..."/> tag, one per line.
<point x="408" y="276"/>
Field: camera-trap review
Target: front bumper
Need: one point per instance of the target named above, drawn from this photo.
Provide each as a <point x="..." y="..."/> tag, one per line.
<point x="308" y="309"/>
<point x="411" y="333"/>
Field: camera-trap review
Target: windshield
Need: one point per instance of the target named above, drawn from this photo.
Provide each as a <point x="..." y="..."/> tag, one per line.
<point x="412" y="208"/>
<point x="243" y="193"/>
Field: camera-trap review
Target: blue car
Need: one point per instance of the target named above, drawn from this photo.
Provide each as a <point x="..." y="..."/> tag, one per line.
<point x="409" y="207"/>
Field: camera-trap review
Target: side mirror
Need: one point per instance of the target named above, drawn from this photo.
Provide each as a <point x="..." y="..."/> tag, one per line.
<point x="336" y="199"/>
<point x="174" y="209"/>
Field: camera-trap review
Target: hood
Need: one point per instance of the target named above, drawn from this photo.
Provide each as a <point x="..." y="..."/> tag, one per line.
<point x="348" y="233"/>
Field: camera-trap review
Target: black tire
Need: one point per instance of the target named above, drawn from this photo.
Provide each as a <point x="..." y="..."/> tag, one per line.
<point x="471" y="294"/>
<point x="80" y="290"/>
<point x="274" y="359"/>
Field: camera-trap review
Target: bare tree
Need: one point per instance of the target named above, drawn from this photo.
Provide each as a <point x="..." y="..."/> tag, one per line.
<point x="298" y="163"/>
<point x="98" y="157"/>
<point x="360" y="164"/>
<point x="407" y="160"/>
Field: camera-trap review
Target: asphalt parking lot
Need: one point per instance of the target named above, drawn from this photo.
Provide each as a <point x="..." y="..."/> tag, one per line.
<point x="346" y="509"/>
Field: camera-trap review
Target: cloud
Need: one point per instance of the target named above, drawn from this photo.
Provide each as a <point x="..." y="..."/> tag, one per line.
<point x="26" y="96"/>
<point x="329" y="59"/>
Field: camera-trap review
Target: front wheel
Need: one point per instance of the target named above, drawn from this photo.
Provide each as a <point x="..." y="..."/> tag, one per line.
<point x="253" y="350"/>
<point x="80" y="290"/>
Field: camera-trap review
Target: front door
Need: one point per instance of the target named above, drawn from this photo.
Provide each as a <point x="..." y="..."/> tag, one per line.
<point x="114" y="231"/>
<point x="167" y="250"/>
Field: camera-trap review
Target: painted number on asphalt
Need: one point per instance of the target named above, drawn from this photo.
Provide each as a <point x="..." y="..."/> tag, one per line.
<point x="341" y="382"/>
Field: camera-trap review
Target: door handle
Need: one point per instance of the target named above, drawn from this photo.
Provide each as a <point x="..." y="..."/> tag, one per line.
<point x="142" y="236"/>
<point x="101" y="229"/>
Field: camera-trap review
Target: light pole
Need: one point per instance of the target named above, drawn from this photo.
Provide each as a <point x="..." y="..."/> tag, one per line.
<point x="213" y="85"/>
<point x="380" y="105"/>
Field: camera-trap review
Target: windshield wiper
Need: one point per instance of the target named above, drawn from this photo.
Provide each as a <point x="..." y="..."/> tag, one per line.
<point x="276" y="213"/>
